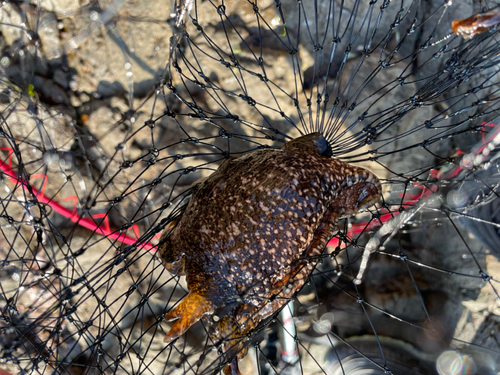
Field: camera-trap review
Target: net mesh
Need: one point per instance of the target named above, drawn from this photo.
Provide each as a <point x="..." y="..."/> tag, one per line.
<point x="111" y="110"/>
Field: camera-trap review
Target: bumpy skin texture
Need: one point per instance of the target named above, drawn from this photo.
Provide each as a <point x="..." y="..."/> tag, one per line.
<point x="246" y="235"/>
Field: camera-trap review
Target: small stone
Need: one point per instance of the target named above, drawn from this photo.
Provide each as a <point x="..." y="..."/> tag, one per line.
<point x="59" y="6"/>
<point x="61" y="78"/>
<point x="107" y="89"/>
<point x="5" y="96"/>
<point x="476" y="306"/>
<point x="49" y="35"/>
<point x="10" y="20"/>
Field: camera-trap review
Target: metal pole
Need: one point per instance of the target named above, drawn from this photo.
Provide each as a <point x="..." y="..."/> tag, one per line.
<point x="289" y="350"/>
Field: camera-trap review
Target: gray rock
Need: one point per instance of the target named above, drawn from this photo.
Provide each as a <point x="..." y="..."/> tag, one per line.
<point x="107" y="89"/>
<point x="61" y="78"/>
<point x="353" y="15"/>
<point x="5" y="96"/>
<point x="53" y="92"/>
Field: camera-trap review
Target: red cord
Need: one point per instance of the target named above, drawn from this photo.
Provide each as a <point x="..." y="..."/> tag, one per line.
<point x="104" y="229"/>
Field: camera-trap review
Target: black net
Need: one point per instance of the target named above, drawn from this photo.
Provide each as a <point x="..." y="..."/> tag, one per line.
<point x="111" y="111"/>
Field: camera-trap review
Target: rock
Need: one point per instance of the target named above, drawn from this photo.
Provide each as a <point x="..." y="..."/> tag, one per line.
<point x="10" y="19"/>
<point x="5" y="96"/>
<point x="107" y="89"/>
<point x="353" y="19"/>
<point x="61" y="78"/>
<point x="49" y="35"/>
<point x="53" y="93"/>
<point x="59" y="6"/>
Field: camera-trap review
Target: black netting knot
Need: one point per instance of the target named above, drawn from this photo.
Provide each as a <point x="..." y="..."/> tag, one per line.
<point x="197" y="25"/>
<point x="221" y="10"/>
<point x="485" y="276"/>
<point x="248" y="99"/>
<point x="127" y="164"/>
